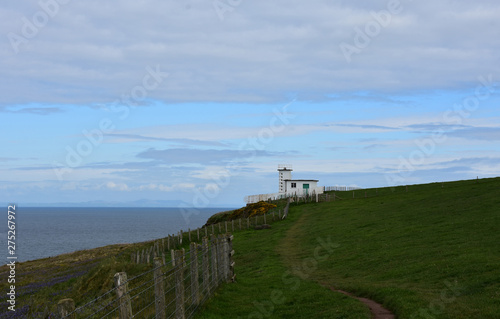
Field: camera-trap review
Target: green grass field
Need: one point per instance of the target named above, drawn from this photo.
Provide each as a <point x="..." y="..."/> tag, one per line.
<point x="430" y="252"/>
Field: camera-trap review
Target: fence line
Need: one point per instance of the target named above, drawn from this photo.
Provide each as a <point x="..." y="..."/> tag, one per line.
<point x="277" y="196"/>
<point x="172" y="290"/>
<point x="211" y="263"/>
<point x="340" y="188"/>
<point x="297" y="193"/>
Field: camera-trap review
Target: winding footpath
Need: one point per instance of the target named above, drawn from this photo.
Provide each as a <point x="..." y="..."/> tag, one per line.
<point x="289" y="246"/>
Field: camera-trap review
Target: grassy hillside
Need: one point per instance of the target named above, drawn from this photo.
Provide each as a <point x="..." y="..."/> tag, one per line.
<point x="431" y="251"/>
<point x="266" y="288"/>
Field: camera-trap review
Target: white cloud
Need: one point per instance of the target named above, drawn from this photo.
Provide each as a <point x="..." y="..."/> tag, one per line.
<point x="94" y="52"/>
<point x="165" y="188"/>
<point x="117" y="186"/>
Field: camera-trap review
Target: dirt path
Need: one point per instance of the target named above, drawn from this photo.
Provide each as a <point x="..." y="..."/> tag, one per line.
<point x="291" y="257"/>
<point x="377" y="310"/>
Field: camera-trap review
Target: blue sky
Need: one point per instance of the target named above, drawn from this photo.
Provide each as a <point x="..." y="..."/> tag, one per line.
<point x="199" y="101"/>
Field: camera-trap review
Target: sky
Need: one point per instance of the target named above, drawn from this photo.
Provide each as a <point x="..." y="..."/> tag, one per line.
<point x="199" y="101"/>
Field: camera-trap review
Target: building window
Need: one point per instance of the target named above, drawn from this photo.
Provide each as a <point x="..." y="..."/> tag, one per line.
<point x="294" y="185"/>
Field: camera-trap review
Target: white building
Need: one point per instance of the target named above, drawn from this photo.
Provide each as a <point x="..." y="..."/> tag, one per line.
<point x="296" y="186"/>
<point x="289" y="187"/>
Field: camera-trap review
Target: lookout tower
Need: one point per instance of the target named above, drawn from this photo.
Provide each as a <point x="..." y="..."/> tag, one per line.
<point x="285" y="171"/>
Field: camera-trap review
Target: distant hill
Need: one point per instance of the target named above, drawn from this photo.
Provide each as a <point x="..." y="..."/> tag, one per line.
<point x="100" y="203"/>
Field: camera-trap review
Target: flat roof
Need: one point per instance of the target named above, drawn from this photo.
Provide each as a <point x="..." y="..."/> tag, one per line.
<point x="301" y="180"/>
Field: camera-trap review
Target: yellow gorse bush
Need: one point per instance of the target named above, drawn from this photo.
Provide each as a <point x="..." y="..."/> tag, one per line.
<point x="252" y="210"/>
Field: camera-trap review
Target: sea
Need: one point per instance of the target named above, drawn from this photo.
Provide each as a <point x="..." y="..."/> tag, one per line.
<point x="46" y="232"/>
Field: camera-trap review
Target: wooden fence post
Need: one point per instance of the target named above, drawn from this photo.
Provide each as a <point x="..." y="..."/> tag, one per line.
<point x="205" y="266"/>
<point x="220" y="258"/>
<point x="220" y="229"/>
<point x="172" y="255"/>
<point x="231" y="275"/>
<point x="213" y="249"/>
<point x="232" y="225"/>
<point x="159" y="289"/>
<point x="225" y="255"/>
<point x="198" y="231"/>
<point x="121" y="285"/>
<point x="240" y="223"/>
<point x="225" y="223"/>
<point x="195" y="287"/>
<point x="65" y="307"/>
<point x="179" y="285"/>
<point x="287" y="208"/>
<point x="248" y="222"/>
<point x="189" y="229"/>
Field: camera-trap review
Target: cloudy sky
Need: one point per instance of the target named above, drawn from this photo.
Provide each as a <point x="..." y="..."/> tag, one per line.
<point x="199" y="101"/>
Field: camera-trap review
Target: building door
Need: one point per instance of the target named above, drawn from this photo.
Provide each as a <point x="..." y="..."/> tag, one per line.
<point x="306" y="189"/>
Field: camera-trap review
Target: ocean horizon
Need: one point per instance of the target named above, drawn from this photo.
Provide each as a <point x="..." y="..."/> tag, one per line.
<point x="43" y="232"/>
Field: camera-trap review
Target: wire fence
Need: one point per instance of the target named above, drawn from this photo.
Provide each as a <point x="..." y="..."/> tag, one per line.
<point x="140" y="288"/>
<point x="174" y="289"/>
<point x="251" y="199"/>
<point x="340" y="188"/>
<point x="298" y="193"/>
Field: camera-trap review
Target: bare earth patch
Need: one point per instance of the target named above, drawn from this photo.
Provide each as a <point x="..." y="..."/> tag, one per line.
<point x="377" y="310"/>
